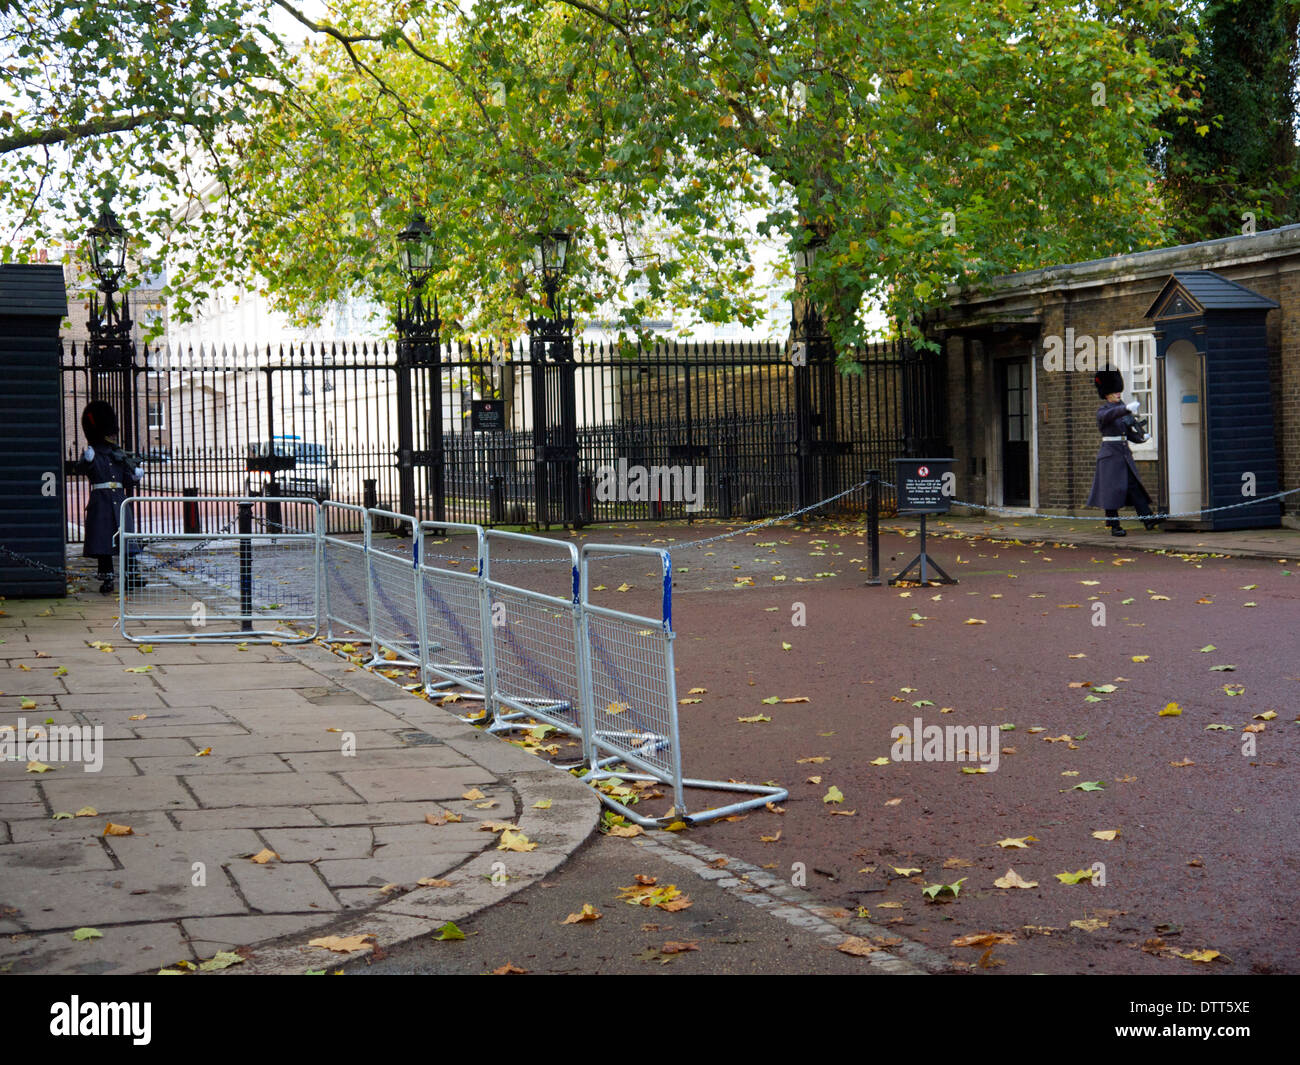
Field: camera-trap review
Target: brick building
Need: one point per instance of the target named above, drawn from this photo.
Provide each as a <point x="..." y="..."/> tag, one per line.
<point x="1020" y="359"/>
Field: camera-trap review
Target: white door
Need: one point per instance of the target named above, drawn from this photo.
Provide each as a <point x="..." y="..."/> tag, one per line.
<point x="1183" y="415"/>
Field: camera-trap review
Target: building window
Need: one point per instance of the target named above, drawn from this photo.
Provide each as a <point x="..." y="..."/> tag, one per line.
<point x="156" y="415"/>
<point x="1135" y="356"/>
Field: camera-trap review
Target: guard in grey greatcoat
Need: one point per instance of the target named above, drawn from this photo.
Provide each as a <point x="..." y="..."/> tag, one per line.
<point x="111" y="471"/>
<point x="1116" y="483"/>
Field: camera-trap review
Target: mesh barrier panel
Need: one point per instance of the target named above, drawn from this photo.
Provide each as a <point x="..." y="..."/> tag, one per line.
<point x="534" y="657"/>
<point x="221" y="585"/>
<point x="394" y="613"/>
<point x="634" y="705"/>
<point x="345" y="591"/>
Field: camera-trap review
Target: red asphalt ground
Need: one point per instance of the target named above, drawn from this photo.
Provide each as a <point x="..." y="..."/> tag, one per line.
<point x="1207" y="853"/>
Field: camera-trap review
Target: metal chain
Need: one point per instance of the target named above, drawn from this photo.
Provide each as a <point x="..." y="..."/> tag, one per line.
<point x="1089" y="517"/>
<point x="34" y="564"/>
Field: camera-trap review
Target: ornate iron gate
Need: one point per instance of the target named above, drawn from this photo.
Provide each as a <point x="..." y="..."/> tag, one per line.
<point x="571" y="424"/>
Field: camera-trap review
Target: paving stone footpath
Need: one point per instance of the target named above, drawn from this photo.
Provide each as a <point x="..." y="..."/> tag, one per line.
<point x="214" y="755"/>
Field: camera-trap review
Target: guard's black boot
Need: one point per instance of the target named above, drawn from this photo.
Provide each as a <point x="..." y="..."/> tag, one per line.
<point x="1151" y="523"/>
<point x="1116" y="530"/>
<point x="106" y="583"/>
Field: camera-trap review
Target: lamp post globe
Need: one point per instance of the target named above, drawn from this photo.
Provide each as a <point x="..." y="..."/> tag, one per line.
<point x="108" y="249"/>
<point x="416" y="251"/>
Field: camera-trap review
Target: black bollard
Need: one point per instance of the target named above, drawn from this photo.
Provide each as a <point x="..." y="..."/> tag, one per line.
<point x="190" y="510"/>
<point x="873" y="525"/>
<point x="246" y="566"/>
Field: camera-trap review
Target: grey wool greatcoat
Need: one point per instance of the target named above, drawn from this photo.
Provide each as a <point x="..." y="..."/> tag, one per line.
<point x="1116" y="483"/>
<point x="104" y="505"/>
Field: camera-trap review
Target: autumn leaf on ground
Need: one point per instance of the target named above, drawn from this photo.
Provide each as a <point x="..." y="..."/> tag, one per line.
<point x="975" y="621"/>
<point x="87" y="811"/>
<point x="1171" y="710"/>
<point x="667" y="898"/>
<point x="1200" y="955"/>
<point x="432" y="881"/>
<point x="1076" y="877"/>
<point x="879" y="761"/>
<point x="111" y="829"/>
<point x="449" y="931"/>
<point x="674" y="946"/>
<point x="698" y="691"/>
<point x="509" y="969"/>
<point x="1017" y="841"/>
<point x="858" y="947"/>
<point x="62" y="816"/>
<point x="445" y="818"/>
<point x="264" y="855"/>
<point x="1089" y="785"/>
<point x="1090" y="924"/>
<point x="473" y="794"/>
<point x="905" y="870"/>
<point x="933" y="891"/>
<point x="1012" y="879"/>
<point x="1106" y="834"/>
<point x="1141" y="658"/>
<point x="38" y="767"/>
<point x="833" y="794"/>
<point x="223" y="959"/>
<point x="87" y="933"/>
<point x="983" y="939"/>
<point x="137" y="717"/>
<point x="797" y="699"/>
<point x="1208" y="648"/>
<point x="755" y="719"/>
<point x="815" y="759"/>
<point x="589" y="913"/>
<point x="514" y="841"/>
<point x="1267" y="715"/>
<point x="1183" y="764"/>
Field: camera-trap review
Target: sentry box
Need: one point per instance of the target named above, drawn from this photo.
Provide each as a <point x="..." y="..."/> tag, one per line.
<point x="924" y="487"/>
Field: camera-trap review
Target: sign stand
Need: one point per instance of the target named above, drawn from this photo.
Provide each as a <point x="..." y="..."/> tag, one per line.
<point x="924" y="488"/>
<point x="923" y="559"/>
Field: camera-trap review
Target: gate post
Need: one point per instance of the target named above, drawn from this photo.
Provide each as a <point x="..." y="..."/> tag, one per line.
<point x="555" y="418"/>
<point x="419" y="369"/>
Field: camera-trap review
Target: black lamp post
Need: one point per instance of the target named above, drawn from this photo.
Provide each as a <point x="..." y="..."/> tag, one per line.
<point x="419" y="371"/>
<point x="555" y="417"/>
<point x="110" y="351"/>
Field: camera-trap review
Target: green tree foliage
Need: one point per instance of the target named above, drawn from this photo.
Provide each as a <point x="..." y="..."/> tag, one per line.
<point x="128" y="101"/>
<point x="1240" y="157"/>
<point x="926" y="142"/>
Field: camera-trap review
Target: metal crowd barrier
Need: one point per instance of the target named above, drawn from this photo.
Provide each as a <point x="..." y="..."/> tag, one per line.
<point x="453" y="615"/>
<point x="633" y="687"/>
<point x="522" y="634"/>
<point x="345" y="584"/>
<point x="393" y="573"/>
<point x="534" y="638"/>
<point x="233" y="584"/>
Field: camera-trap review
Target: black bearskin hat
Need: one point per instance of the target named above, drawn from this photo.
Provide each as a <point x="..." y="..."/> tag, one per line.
<point x="98" y="421"/>
<point x="1108" y="381"/>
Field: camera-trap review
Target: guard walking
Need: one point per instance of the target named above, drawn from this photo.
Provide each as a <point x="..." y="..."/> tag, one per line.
<point x="112" y="472"/>
<point x="1116" y="483"/>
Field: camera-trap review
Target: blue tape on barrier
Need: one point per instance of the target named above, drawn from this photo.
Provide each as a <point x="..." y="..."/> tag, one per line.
<point x="576" y="584"/>
<point x="668" y="591"/>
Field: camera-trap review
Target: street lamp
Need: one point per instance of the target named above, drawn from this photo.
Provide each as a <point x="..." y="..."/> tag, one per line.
<point x="108" y="249"/>
<point x="555" y="422"/>
<point x="417" y="251"/>
<point x="419" y="370"/>
<point x="550" y="253"/>
<point x="110" y="352"/>
<point x="805" y="254"/>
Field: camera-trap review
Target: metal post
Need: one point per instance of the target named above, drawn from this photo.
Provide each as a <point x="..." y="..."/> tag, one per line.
<point x="274" y="515"/>
<point x="873" y="525"/>
<point x="190" y="510"/>
<point x="246" y="567"/>
<point x="369" y="493"/>
<point x="419" y="348"/>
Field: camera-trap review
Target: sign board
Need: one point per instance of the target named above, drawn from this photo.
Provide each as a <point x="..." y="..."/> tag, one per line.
<point x="487" y="415"/>
<point x="925" y="486"/>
